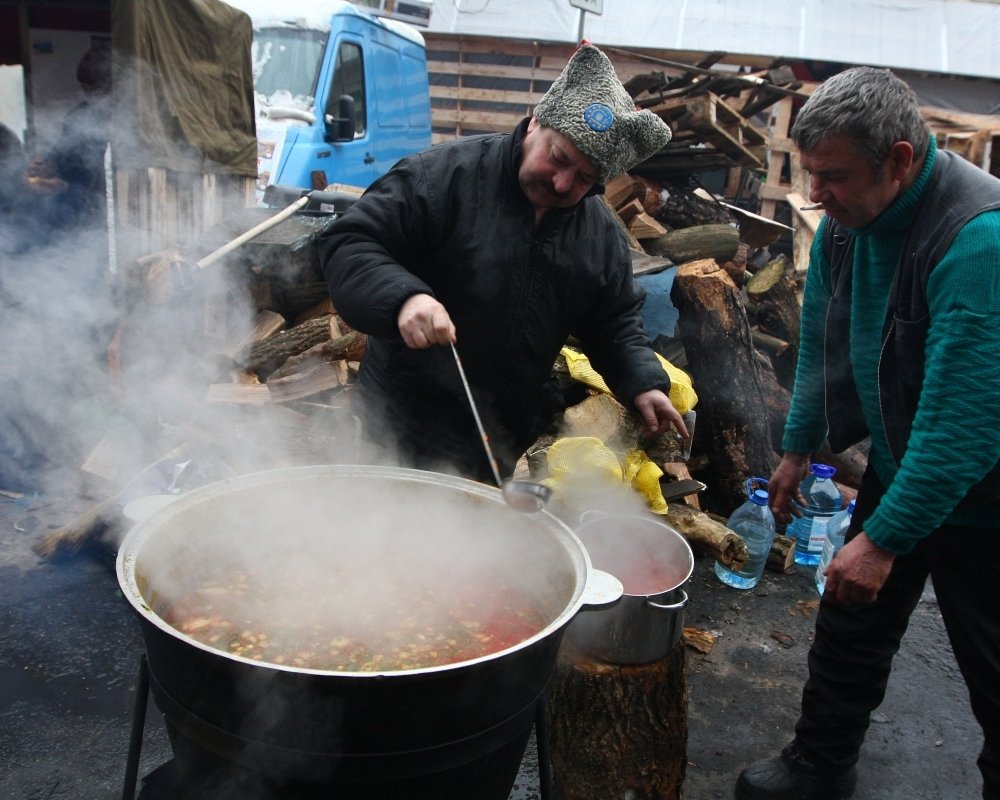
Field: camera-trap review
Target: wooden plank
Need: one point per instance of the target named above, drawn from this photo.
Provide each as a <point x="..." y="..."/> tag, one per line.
<point x="774" y="190"/>
<point x="526" y="73"/>
<point x="523" y="99"/>
<point x="487" y="121"/>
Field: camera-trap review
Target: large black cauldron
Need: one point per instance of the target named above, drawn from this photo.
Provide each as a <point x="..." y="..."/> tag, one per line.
<point x="388" y="734"/>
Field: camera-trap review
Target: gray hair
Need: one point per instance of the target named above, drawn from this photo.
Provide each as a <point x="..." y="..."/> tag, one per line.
<point x="872" y="107"/>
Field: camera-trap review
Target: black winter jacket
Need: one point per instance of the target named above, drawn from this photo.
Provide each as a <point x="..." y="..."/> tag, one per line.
<point x="452" y="222"/>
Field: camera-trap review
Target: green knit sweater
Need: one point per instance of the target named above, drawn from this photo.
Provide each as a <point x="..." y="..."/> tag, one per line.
<point x="955" y="437"/>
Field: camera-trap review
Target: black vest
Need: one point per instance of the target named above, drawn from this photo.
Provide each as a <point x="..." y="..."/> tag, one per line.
<point x="956" y="191"/>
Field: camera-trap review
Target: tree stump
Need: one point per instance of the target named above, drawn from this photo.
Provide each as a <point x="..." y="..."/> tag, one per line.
<point x="618" y="731"/>
<point x="777" y="312"/>
<point x="722" y="361"/>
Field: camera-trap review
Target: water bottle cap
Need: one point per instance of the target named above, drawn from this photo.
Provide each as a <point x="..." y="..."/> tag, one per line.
<point x="822" y="470"/>
<point x="850" y="507"/>
<point x="759" y="497"/>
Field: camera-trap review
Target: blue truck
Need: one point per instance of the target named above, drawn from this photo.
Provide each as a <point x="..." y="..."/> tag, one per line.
<point x="341" y="94"/>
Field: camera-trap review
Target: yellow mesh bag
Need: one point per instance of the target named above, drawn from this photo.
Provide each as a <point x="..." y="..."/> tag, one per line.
<point x="577" y="462"/>
<point x="682" y="393"/>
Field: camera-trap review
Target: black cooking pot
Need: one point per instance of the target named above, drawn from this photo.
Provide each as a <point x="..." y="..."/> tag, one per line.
<point x="355" y="727"/>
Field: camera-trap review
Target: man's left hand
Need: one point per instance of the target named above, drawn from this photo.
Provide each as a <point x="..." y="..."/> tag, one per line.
<point x="857" y="572"/>
<point x="658" y="413"/>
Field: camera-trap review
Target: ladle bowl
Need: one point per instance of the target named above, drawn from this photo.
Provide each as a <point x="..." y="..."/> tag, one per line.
<point x="526" y="496"/>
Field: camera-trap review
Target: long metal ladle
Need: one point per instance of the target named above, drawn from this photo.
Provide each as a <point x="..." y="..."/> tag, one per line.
<point x="526" y="496"/>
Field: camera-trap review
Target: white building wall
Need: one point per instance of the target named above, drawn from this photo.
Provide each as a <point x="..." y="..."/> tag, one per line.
<point x="957" y="37"/>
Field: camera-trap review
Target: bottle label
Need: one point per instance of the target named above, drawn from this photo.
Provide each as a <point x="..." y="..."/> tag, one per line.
<point x="817" y="534"/>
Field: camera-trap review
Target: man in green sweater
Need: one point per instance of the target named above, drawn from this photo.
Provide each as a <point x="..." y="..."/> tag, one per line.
<point x="900" y="341"/>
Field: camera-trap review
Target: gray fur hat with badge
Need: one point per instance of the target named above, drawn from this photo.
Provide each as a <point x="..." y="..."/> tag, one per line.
<point x="588" y="105"/>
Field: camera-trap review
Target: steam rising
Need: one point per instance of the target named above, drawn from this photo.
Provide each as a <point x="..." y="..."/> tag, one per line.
<point x="330" y="546"/>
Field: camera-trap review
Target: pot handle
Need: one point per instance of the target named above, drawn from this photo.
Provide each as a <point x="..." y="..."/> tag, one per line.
<point x="602" y="588"/>
<point x="670" y="606"/>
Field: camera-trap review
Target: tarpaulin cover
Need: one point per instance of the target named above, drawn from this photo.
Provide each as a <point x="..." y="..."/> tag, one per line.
<point x="183" y="86"/>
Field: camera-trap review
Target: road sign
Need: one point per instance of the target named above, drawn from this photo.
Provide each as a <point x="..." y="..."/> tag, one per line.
<point x="593" y="6"/>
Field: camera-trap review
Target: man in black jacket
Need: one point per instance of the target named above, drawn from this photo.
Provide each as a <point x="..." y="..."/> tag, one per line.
<point x="498" y="244"/>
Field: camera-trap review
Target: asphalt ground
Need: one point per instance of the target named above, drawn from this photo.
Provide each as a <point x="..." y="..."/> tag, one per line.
<point x="70" y="649"/>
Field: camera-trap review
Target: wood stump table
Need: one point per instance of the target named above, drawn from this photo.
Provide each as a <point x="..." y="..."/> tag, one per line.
<point x="618" y="732"/>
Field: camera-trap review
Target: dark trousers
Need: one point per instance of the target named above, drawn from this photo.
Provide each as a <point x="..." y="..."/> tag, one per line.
<point x="852" y="652"/>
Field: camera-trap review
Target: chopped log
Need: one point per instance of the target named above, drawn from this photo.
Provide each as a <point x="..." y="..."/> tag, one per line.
<point x="645" y="227"/>
<point x="723" y="365"/>
<point x="700" y="640"/>
<point x="633" y="243"/>
<point x="268" y="355"/>
<point x="630" y="210"/>
<point x="240" y="394"/>
<point x="618" y="731"/>
<point x="719" y="242"/>
<point x="652" y="196"/>
<point x="777" y="313"/>
<point x="621" y="190"/>
<point x="308" y="382"/>
<point x="349" y="347"/>
<point x="706" y="536"/>
<point x="782" y="555"/>
<point x="265" y="324"/>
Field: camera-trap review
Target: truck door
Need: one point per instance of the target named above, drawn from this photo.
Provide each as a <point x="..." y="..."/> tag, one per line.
<point x="348" y="161"/>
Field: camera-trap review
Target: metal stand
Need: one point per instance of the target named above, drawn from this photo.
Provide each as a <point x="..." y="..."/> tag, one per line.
<point x="130" y="783"/>
<point x="542" y="746"/>
<point x="138" y="726"/>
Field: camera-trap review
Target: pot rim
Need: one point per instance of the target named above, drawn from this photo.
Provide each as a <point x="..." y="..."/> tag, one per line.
<point x="596" y="518"/>
<point x="128" y="555"/>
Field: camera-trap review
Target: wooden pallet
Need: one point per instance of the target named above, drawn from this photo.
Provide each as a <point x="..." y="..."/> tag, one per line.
<point x="713" y="121"/>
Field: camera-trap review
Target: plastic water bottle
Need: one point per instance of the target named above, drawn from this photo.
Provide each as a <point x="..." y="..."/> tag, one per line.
<point x="823" y="500"/>
<point x="754" y="523"/>
<point x="835" y="533"/>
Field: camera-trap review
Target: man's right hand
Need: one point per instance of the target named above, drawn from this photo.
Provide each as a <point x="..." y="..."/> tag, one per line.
<point x="423" y="322"/>
<point x="783" y="485"/>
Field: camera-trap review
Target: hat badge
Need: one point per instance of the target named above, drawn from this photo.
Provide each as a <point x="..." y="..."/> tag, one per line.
<point x="599" y="117"/>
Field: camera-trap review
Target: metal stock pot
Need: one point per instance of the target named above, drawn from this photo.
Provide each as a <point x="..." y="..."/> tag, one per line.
<point x="653" y="561"/>
<point x="355" y="728"/>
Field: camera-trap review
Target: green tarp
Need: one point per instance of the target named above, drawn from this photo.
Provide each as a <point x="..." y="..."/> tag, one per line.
<point x="183" y="87"/>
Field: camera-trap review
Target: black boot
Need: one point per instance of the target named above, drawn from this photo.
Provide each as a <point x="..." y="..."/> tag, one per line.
<point x="791" y="776"/>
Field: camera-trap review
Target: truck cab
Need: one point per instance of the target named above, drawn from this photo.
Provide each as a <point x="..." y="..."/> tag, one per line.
<point x="340" y="95"/>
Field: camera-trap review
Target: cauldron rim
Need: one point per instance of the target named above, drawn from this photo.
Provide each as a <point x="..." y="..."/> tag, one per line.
<point x="128" y="555"/>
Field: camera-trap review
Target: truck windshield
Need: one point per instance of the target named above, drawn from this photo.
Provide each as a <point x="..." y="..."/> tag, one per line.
<point x="286" y="64"/>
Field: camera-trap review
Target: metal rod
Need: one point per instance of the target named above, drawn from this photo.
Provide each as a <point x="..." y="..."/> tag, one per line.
<point x="138" y="724"/>
<point x="475" y="413"/>
<point x="542" y="748"/>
